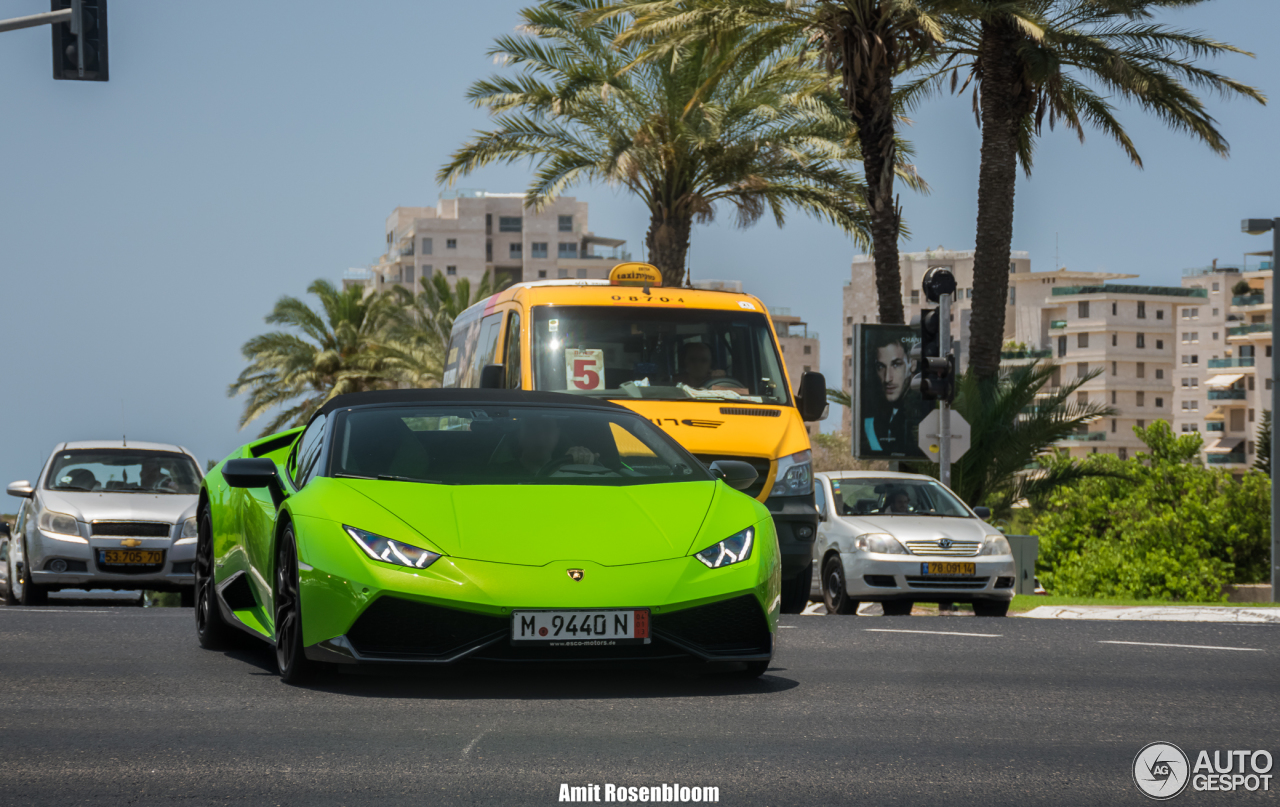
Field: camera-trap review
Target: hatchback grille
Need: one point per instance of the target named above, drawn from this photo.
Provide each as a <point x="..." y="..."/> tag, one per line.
<point x="761" y="465"/>
<point x="396" y="627"/>
<point x="957" y="549"/>
<point x="132" y="529"/>
<point x="934" y="582"/>
<point x="728" y="627"/>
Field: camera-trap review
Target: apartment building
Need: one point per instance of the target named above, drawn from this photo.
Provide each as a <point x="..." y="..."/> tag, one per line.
<point x="474" y="234"/>
<point x="1224" y="367"/>
<point x="800" y="350"/>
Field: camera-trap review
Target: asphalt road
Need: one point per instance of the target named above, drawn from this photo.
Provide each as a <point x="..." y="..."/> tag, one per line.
<point x="113" y="705"/>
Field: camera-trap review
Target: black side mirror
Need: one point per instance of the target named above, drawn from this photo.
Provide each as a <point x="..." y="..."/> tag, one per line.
<point x="811" y="398"/>
<point x="983" y="513"/>
<point x="735" y="473"/>
<point x="493" y="376"/>
<point x="4" y="529"/>
<point x="256" y="472"/>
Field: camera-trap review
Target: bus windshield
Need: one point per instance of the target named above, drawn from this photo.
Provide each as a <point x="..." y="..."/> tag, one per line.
<point x="657" y="353"/>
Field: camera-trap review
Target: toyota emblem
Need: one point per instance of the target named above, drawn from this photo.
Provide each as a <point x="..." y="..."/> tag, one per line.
<point x="945" y="543"/>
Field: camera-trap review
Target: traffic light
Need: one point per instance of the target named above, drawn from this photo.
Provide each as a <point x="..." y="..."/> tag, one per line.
<point x="936" y="370"/>
<point x="80" y="46"/>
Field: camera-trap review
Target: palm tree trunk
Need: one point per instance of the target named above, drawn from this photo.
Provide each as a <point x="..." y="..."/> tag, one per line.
<point x="668" y="242"/>
<point x="1003" y="105"/>
<point x="872" y="108"/>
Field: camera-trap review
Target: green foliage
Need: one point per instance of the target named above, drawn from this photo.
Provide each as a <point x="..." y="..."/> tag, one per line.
<point x="1241" y="288"/>
<point x="1157" y="526"/>
<point x="413" y="345"/>
<point x="1262" y="459"/>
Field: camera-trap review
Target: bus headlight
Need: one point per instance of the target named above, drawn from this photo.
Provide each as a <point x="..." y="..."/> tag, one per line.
<point x="795" y="475"/>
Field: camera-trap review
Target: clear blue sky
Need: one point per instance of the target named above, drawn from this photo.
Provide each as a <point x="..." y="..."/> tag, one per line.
<point x="242" y="149"/>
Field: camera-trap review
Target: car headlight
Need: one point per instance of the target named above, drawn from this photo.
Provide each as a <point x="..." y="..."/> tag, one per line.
<point x="388" y="550"/>
<point x="880" y="543"/>
<point x="795" y="475"/>
<point x="734" y="549"/>
<point x="190" y="531"/>
<point x="60" y="526"/>
<point x="995" y="545"/>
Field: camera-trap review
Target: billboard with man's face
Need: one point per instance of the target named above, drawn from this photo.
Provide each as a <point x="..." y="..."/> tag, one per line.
<point x="886" y="410"/>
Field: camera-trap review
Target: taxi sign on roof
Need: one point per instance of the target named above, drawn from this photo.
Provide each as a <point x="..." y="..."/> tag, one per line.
<point x="635" y="274"/>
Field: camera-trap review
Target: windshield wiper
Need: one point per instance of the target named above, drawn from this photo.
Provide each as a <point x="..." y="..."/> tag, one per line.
<point x="391" y="478"/>
<point x="355" y="476"/>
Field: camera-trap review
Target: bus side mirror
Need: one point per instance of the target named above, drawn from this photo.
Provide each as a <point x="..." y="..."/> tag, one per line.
<point x="811" y="398"/>
<point x="493" y="376"/>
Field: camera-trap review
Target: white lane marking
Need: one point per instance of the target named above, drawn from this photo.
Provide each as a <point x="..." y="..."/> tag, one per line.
<point x="934" y="632"/>
<point x="466" y="751"/>
<point x="1192" y="646"/>
<point x="784" y="627"/>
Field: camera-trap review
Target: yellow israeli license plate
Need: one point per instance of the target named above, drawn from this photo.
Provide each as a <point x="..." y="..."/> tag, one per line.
<point x="131" y="557"/>
<point x="952" y="569"/>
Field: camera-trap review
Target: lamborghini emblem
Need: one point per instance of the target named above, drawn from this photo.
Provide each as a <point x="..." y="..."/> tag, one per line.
<point x="130" y="542"/>
<point x="575" y="574"/>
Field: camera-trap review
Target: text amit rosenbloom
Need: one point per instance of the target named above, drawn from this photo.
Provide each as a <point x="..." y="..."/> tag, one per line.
<point x="658" y="793"/>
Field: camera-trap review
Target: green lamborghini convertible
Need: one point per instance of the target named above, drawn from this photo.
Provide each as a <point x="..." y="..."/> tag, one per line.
<point x="430" y="527"/>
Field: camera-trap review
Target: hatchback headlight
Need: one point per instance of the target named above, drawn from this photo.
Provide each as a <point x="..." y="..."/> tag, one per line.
<point x="995" y="545"/>
<point x="60" y="526"/>
<point x="734" y="549"/>
<point x="795" y="475"/>
<point x="880" y="543"/>
<point x="388" y="550"/>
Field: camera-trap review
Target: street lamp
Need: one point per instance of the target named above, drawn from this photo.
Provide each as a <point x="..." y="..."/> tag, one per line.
<point x="1258" y="227"/>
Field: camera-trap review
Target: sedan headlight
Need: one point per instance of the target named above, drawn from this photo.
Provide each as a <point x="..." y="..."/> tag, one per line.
<point x="60" y="526"/>
<point x="795" y="475"/>
<point x="190" y="531"/>
<point x="995" y="545"/>
<point x="388" y="550"/>
<point x="734" y="549"/>
<point x="880" y="543"/>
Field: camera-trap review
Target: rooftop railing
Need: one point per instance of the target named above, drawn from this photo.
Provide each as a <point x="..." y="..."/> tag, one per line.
<point x="1120" y="288"/>
<point x="1025" y="354"/>
<point x="1226" y="459"/>
<point x="1057" y="324"/>
<point x="1089" y="437"/>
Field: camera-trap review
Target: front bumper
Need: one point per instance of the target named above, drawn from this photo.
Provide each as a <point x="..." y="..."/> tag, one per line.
<point x="880" y="578"/>
<point x="796" y="521"/>
<point x="355" y="610"/>
<point x="84" y="571"/>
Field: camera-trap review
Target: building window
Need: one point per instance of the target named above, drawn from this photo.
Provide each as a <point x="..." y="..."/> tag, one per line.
<point x="510" y="224"/>
<point x="542" y="273"/>
<point x="1082" y="369"/>
<point x="566" y="224"/>
<point x="408" y="274"/>
<point x="1142" y="398"/>
<point x="426" y="271"/>
<point x="1123" y="453"/>
<point x="1215" y="336"/>
<point x="848" y="320"/>
<point x="1062" y="346"/>
<point x="1250" y="382"/>
<point x="915" y="296"/>
<point x="451" y="270"/>
<point x="1268" y="351"/>
<point x="1113" y="425"/>
<point x="1142" y="340"/>
<point x="538" y="249"/>
<point x="1013" y="295"/>
<point x="1113" y="397"/>
<point x="1142" y="309"/>
<point x="1195" y="382"/>
<point x="1159" y="375"/>
<point x="1115" y="339"/>
<point x="1159" y="313"/>
<point x="582" y="272"/>
<point x="1013" y="268"/>
<point x="808" y="368"/>
<point x="515" y="251"/>
<point x="1082" y="309"/>
<point x="563" y="273"/>
<point x="568" y="250"/>
<point x="1142" y="424"/>
<point x="1082" y="398"/>
<point x="1195" y="405"/>
<point x="451" y="243"/>
<point x="1186" y="382"/>
<point x="808" y="349"/>
<point x="1114" y="368"/>
<point x="1215" y="286"/>
<point x="1113" y="309"/>
<point x="1159" y="403"/>
<point x="1215" y="312"/>
<point x="1159" y="344"/>
<point x="426" y="246"/>
<point x="1268" y="384"/>
<point x="1249" y="446"/>
<point x="1082" y="340"/>
<point x="1142" y="369"/>
<point x="1250" y="415"/>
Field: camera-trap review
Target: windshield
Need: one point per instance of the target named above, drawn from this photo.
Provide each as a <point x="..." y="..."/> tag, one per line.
<point x="667" y="353"/>
<point x="124" y="470"/>
<point x="506" y="445"/>
<point x="866" y="496"/>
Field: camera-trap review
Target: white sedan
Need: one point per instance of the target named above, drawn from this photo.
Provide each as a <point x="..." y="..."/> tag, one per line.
<point x="898" y="539"/>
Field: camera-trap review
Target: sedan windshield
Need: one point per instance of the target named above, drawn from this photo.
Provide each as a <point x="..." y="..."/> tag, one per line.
<point x="660" y="353"/>
<point x="864" y="496"/>
<point x="506" y="445"/>
<point x="124" y="470"/>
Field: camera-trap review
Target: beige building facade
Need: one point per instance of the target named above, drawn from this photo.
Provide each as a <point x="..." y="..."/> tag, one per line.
<point x="800" y="349"/>
<point x="474" y="234"/>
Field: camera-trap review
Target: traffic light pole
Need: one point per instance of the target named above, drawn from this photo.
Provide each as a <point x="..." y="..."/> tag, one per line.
<point x="47" y="18"/>
<point x="944" y="408"/>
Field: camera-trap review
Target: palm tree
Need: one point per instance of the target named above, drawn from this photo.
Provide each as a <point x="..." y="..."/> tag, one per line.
<point x="868" y="42"/>
<point x="760" y="131"/>
<point x="1262" y="458"/>
<point x="1028" y="60"/>
<point x="413" y="346"/>
<point x="334" y="353"/>
<point x="1013" y="424"/>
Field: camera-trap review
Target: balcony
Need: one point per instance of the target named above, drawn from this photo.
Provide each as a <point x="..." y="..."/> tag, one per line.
<point x="1249" y="299"/>
<point x="1057" y="324"/>
<point x="1226" y="459"/>
<point x="1226" y="394"/>
<point x="1245" y="330"/>
<point x="1088" y="437"/>
<point x="1243" y="361"/>
<point x="1219" y="426"/>
<point x="1026" y="354"/>
<point x="1120" y="288"/>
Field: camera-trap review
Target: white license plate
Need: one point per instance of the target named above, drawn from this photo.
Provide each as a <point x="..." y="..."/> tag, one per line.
<point x="581" y="628"/>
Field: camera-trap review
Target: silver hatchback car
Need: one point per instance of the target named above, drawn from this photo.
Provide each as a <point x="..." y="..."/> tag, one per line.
<point x="898" y="539"/>
<point x="105" y="515"/>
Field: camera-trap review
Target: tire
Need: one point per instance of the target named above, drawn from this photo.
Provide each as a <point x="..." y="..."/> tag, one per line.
<point x="988" y="608"/>
<point x="835" y="593"/>
<point x="30" y="593"/>
<point x="9" y="598"/>
<point x="795" y="592"/>
<point x="212" y="630"/>
<point x="291" y="659"/>
<point x="897" y="607"/>
<point x="187" y="598"/>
